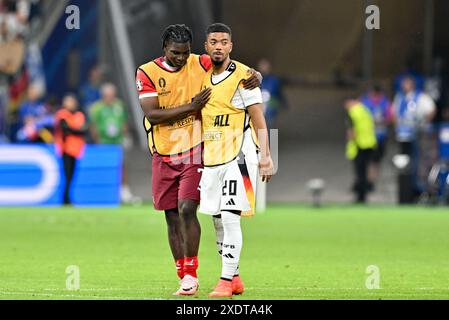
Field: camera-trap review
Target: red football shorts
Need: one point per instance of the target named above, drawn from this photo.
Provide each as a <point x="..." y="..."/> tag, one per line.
<point x="172" y="182"/>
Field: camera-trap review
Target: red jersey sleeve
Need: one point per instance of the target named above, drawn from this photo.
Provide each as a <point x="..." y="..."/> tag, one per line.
<point x="144" y="85"/>
<point x="206" y="62"/>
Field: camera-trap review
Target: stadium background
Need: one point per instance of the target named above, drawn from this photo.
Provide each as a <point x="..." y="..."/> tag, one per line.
<point x="323" y="54"/>
<point x="319" y="50"/>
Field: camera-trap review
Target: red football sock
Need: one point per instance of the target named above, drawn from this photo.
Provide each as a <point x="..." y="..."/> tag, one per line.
<point x="180" y="268"/>
<point x="190" y="266"/>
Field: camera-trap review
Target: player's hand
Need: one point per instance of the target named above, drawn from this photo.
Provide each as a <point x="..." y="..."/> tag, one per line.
<point x="254" y="81"/>
<point x="200" y="100"/>
<point x="266" y="168"/>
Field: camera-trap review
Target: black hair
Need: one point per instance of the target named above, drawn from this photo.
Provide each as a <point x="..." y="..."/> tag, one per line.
<point x="179" y="33"/>
<point x="218" y="27"/>
<point x="377" y="88"/>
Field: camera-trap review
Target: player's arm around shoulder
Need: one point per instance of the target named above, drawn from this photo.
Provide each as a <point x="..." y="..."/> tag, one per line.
<point x="156" y="115"/>
<point x="252" y="78"/>
<point x="149" y="102"/>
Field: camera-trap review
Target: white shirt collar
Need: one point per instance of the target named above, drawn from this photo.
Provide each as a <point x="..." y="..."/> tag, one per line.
<point x="169" y="67"/>
<point x="217" y="78"/>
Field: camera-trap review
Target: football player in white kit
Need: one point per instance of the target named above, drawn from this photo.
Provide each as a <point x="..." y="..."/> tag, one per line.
<point x="231" y="155"/>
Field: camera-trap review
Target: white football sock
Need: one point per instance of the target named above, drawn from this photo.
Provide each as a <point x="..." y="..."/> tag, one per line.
<point x="219" y="233"/>
<point x="232" y="244"/>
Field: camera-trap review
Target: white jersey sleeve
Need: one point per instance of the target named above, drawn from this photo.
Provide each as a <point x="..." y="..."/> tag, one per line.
<point x="243" y="98"/>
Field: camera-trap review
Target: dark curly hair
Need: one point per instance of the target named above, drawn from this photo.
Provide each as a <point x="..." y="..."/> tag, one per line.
<point x="179" y="33"/>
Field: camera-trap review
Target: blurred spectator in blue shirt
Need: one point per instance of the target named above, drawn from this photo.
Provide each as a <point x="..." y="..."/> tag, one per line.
<point x="90" y="92"/>
<point x="380" y="107"/>
<point x="32" y="106"/>
<point x="272" y="94"/>
<point x="36" y="120"/>
<point x="409" y="71"/>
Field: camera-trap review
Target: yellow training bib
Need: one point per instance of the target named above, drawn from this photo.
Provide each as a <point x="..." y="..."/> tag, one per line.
<point x="223" y="124"/>
<point x="175" y="88"/>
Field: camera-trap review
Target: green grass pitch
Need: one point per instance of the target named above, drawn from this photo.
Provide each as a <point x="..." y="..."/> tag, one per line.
<point x="290" y="252"/>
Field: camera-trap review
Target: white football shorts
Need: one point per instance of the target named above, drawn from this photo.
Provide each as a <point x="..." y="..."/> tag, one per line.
<point x="231" y="186"/>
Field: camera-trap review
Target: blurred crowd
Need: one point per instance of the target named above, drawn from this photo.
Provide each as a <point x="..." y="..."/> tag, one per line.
<point x="27" y="110"/>
<point x="414" y="120"/>
<point x="94" y="115"/>
<point x="15" y="16"/>
<point x="105" y="113"/>
<point x="18" y="63"/>
<point x="415" y="116"/>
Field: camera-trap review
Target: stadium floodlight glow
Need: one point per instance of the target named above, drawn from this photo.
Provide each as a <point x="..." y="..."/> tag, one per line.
<point x="316" y="187"/>
<point x="401" y="161"/>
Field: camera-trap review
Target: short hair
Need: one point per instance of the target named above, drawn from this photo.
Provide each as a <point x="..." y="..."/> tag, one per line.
<point x="218" y="27"/>
<point x="179" y="33"/>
